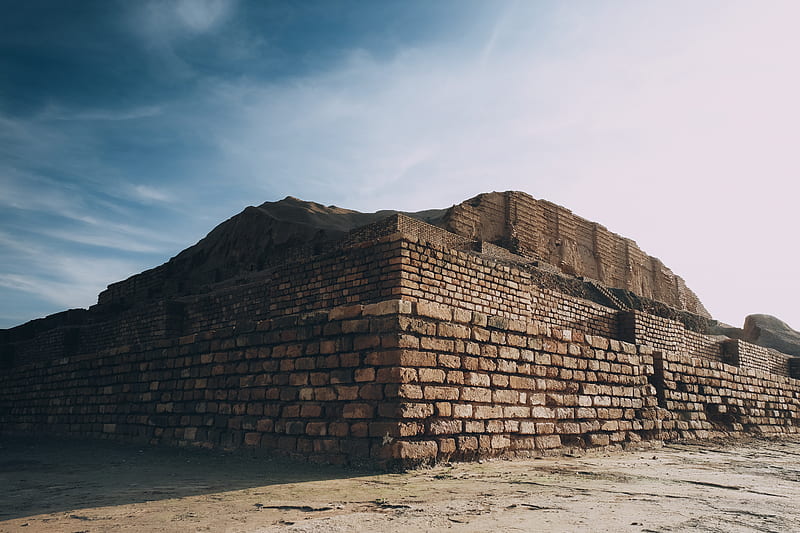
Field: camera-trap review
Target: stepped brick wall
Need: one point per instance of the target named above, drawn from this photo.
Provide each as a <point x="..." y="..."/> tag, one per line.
<point x="576" y="245"/>
<point x="397" y="351"/>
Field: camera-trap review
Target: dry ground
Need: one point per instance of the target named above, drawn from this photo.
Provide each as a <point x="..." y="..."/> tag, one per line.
<point x="78" y="486"/>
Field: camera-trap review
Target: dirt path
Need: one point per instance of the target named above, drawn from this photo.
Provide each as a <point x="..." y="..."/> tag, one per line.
<point x="72" y="486"/>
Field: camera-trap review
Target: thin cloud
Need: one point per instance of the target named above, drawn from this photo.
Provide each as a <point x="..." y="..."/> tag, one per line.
<point x="152" y="194"/>
<point x="55" y="113"/>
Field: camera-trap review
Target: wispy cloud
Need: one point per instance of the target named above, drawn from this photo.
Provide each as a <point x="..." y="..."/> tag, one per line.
<point x="149" y="193"/>
<point x="60" y="113"/>
<point x="200" y="15"/>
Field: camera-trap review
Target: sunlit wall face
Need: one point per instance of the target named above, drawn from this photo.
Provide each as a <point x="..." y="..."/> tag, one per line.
<point x="672" y="123"/>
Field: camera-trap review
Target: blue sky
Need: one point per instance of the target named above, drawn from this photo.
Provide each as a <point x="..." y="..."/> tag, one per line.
<point x="128" y="130"/>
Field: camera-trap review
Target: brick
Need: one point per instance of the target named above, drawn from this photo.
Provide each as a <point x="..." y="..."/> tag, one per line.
<point x="419" y="450"/>
<point x="500" y="442"/>
<point x="358" y="410"/>
<point x="431" y="375"/>
<point x="364" y="374"/>
<point x="439" y="312"/>
<point x="433" y="392"/>
<point x="345" y="312"/>
<point x="441" y="427"/>
<point x="365" y="342"/>
<point x="387" y="307"/>
<point x="476" y="394"/>
<point x="546" y="442"/>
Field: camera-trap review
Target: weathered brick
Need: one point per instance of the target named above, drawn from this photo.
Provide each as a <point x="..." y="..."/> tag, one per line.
<point x="358" y="410"/>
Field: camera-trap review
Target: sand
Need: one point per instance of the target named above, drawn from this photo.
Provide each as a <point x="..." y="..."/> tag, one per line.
<point x="94" y="486"/>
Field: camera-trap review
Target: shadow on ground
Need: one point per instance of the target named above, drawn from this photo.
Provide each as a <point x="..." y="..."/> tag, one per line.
<point x="46" y="475"/>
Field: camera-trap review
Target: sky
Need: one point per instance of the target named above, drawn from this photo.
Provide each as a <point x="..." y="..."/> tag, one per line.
<point x="128" y="130"/>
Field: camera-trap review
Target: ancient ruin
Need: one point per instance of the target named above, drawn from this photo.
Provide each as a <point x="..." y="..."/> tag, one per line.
<point x="502" y="325"/>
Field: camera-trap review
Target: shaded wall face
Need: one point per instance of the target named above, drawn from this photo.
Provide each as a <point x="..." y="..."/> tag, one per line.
<point x="575" y="245"/>
<point x="394" y="382"/>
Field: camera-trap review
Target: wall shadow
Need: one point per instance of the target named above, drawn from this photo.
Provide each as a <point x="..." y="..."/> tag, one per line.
<point x="43" y="475"/>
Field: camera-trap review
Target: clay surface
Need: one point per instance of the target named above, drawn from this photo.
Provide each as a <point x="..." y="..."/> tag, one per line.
<point x="76" y="486"/>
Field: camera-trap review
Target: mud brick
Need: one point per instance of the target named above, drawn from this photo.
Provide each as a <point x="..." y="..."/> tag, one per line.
<point x="372" y="391"/>
<point x="409" y="358"/>
<point x="523" y="383"/>
<point x="444" y="427"/>
<point x="462" y="316"/>
<point x="462" y="410"/>
<point x="387" y="307"/>
<point x="505" y="396"/>
<point x="349" y="359"/>
<point x="455" y="377"/>
<point x="365" y="342"/>
<point x="364" y="374"/>
<point x="416" y="450"/>
<point x="345" y="312"/>
<point x="252" y="439"/>
<point x="542" y="412"/>
<point x="443" y="409"/>
<point x="499" y="442"/>
<point x="339" y="429"/>
<point x="436" y="344"/>
<point x="310" y="411"/>
<point x="298" y="378"/>
<point x="480" y="334"/>
<point x="324" y="394"/>
<point x="433" y="392"/>
<point x="264" y="425"/>
<point x="470" y="363"/>
<point x="449" y="361"/>
<point x="396" y="375"/>
<point x="599" y="439"/>
<point x="381" y="429"/>
<point x="516" y="411"/>
<point x="408" y="410"/>
<point x="476" y="394"/>
<point x="319" y="378"/>
<point x="325" y="347"/>
<point x="499" y="380"/>
<point x="359" y="429"/>
<point x="474" y="426"/>
<point x="487" y="411"/>
<point x="439" y="312"/>
<point x="495" y="426"/>
<point x="355" y="326"/>
<point x="545" y="442"/>
<point x="358" y="410"/>
<point x="346" y="392"/>
<point x="431" y="375"/>
<point x="416" y="325"/>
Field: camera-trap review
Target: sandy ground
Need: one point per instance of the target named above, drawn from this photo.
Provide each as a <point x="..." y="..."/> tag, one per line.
<point x="73" y="486"/>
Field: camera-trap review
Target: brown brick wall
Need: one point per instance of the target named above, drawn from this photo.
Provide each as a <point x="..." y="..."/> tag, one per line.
<point x="308" y="385"/>
<point x="398" y="350"/>
<point x="745" y="354"/>
<point x="703" y="396"/>
<point x="577" y="246"/>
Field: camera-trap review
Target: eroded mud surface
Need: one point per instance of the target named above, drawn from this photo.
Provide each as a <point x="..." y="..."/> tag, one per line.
<point x="71" y="486"/>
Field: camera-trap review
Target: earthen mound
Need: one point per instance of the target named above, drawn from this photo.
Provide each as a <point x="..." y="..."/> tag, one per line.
<point x="771" y="332"/>
<point x="501" y="224"/>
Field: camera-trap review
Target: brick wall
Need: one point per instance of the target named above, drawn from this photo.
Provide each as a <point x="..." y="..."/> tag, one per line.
<point x="393" y="382"/>
<point x="311" y="385"/>
<point x="394" y="351"/>
<point x="477" y="385"/>
<point x="667" y="335"/>
<point x="577" y="246"/>
<point x="703" y="396"/>
<point x="745" y="354"/>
